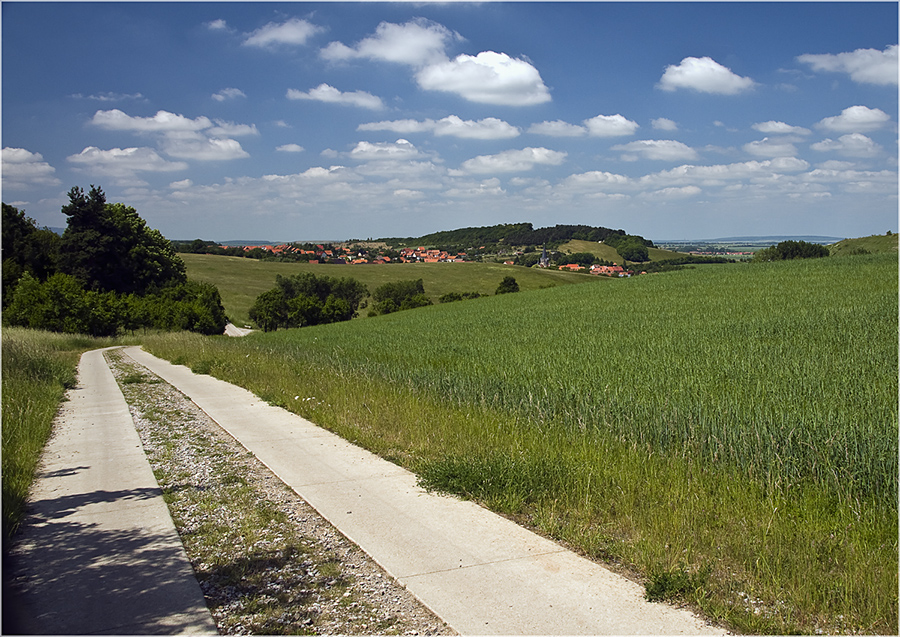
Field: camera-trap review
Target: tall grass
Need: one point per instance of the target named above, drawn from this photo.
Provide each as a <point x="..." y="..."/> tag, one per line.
<point x="38" y="367"/>
<point x="728" y="432"/>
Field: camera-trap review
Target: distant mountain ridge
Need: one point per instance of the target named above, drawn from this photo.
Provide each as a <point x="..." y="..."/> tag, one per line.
<point x="759" y="239"/>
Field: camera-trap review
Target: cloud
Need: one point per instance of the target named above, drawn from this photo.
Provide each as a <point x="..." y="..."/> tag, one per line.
<point x="181" y="185"/>
<point x="450" y="126"/>
<point x="610" y="126"/>
<point x="162" y="122"/>
<point x="558" y="128"/>
<point x="513" y="161"/>
<point x="866" y="66"/>
<point x="22" y="168"/>
<point x="203" y="148"/>
<point x="768" y="148"/>
<point x="475" y="190"/>
<point x="295" y="31"/>
<point x="417" y="43"/>
<point x="488" y="128"/>
<point x="671" y="193"/>
<point x="228" y="94"/>
<point x="122" y="163"/>
<point x="852" y="145"/>
<point x="487" y="78"/>
<point x="660" y="149"/>
<point x="329" y="94"/>
<point x="779" y="128"/>
<point x="290" y="148"/>
<point x="856" y="119"/>
<point x="217" y="25"/>
<point x="109" y="97"/>
<point x="704" y="75"/>
<point x="230" y="129"/>
<point x="663" y="123"/>
<point x="720" y="174"/>
<point x="401" y="149"/>
<point x="181" y="136"/>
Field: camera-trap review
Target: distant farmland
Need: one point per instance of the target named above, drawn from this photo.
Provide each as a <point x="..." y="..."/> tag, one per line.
<point x="241" y="280"/>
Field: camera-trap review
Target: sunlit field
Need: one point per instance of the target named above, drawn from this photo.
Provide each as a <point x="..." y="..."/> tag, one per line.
<point x="727" y="432"/>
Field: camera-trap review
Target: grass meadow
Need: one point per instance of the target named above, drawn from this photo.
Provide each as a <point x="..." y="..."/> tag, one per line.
<point x="38" y="367"/>
<point x="241" y="280"/>
<point x="726" y="433"/>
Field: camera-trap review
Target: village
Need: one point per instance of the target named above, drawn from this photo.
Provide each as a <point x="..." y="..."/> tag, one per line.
<point x="356" y="255"/>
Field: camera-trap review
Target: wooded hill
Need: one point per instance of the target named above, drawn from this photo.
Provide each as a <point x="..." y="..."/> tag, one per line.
<point x="515" y="234"/>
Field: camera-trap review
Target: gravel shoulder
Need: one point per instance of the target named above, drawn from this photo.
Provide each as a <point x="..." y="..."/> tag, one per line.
<point x="266" y="561"/>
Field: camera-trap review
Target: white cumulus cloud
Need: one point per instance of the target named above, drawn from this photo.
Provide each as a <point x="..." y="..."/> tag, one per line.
<point x="450" y="126"/>
<point x="488" y="128"/>
<point x="856" y="119"/>
<point x="295" y="31"/>
<point x="290" y="148"/>
<point x="162" y="122"/>
<point x="779" y="128"/>
<point x="770" y="148"/>
<point x="664" y="123"/>
<point x="513" y="161"/>
<point x="122" y="164"/>
<point x="850" y="145"/>
<point x="416" y="43"/>
<point x="867" y="66"/>
<point x="368" y="151"/>
<point x="660" y="149"/>
<point x="22" y="168"/>
<point x="610" y="126"/>
<point x="558" y="128"/>
<point x="487" y="78"/>
<point x="203" y="148"/>
<point x="704" y="75"/>
<point x="331" y="95"/>
<point x="228" y="94"/>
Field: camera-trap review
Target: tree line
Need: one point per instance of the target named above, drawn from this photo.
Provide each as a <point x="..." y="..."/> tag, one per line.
<point x="108" y="273"/>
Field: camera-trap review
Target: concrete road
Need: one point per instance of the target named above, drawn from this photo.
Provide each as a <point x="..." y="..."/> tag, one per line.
<point x="98" y="552"/>
<point x="479" y="572"/>
<point x="234" y="330"/>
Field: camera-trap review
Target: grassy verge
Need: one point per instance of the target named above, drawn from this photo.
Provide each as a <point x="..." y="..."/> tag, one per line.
<point x="38" y="367"/>
<point x="721" y="454"/>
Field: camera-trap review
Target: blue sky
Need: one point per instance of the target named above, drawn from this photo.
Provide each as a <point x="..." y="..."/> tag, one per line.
<point x="291" y="121"/>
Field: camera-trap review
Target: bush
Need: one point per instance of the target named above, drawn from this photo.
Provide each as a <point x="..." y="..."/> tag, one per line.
<point x="792" y="250"/>
<point x="507" y="285"/>
<point x="306" y="299"/>
<point x="451" y="297"/>
<point x="399" y="295"/>
<point x="61" y="304"/>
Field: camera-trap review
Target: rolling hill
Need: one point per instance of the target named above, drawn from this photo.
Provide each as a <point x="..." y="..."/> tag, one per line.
<point x="875" y="244"/>
<point x="241" y="280"/>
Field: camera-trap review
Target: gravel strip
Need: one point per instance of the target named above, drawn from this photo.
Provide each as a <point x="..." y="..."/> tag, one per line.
<point x="266" y="561"/>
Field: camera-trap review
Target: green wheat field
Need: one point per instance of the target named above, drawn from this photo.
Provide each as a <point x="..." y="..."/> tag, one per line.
<point x="726" y="433"/>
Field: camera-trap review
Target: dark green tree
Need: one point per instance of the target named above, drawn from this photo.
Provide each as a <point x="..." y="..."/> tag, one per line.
<point x="507" y="285"/>
<point x="109" y="247"/>
<point x="26" y="248"/>
<point x="306" y="299"/>
<point x="791" y="250"/>
<point x="399" y="295"/>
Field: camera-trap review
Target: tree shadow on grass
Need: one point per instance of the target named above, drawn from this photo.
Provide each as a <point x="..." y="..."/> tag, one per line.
<point x="97" y="563"/>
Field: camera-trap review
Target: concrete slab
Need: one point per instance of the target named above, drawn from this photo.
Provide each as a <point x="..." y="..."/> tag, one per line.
<point x="477" y="571"/>
<point x="98" y="552"/>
